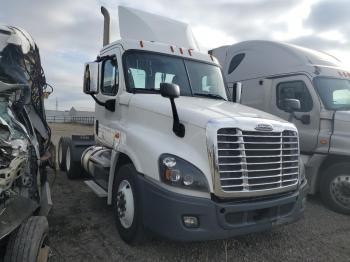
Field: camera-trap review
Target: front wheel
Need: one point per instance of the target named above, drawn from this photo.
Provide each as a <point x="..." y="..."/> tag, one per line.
<point x="29" y="242"/>
<point x="335" y="188"/>
<point x="126" y="205"/>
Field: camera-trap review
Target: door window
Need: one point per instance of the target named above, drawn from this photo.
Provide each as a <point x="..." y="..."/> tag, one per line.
<point x="110" y="76"/>
<point x="294" y="90"/>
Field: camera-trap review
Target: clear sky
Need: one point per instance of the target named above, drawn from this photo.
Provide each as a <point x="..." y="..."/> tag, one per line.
<point x="69" y="32"/>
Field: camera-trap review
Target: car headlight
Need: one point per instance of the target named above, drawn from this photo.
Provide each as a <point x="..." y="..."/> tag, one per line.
<point x="177" y="172"/>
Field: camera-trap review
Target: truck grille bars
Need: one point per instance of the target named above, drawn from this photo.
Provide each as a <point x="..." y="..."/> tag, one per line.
<point x="254" y="161"/>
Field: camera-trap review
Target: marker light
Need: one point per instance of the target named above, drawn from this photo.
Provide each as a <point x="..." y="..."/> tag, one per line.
<point x="181" y="51"/>
<point x="190" y="52"/>
<point x="172" y="49"/>
<point x="141" y="43"/>
<point x="323" y="141"/>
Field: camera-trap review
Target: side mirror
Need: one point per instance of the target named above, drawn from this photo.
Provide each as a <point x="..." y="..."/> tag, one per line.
<point x="172" y="91"/>
<point x="90" y="85"/>
<point x="169" y="90"/>
<point x="237" y="92"/>
<point x="291" y="105"/>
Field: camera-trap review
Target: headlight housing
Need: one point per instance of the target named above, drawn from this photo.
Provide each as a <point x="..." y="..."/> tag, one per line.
<point x="177" y="172"/>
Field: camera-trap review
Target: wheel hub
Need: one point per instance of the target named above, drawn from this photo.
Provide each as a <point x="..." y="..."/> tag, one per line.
<point x="340" y="189"/>
<point x="125" y="204"/>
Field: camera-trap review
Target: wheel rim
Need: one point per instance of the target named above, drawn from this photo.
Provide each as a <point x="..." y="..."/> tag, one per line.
<point x="340" y="190"/>
<point x="68" y="159"/>
<point x="44" y="251"/>
<point x="125" y="204"/>
<point x="60" y="153"/>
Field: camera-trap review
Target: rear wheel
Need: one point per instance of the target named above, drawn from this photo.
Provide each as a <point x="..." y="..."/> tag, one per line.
<point x="73" y="168"/>
<point x="335" y="188"/>
<point x="29" y="242"/>
<point x="127" y="206"/>
<point x="61" y="152"/>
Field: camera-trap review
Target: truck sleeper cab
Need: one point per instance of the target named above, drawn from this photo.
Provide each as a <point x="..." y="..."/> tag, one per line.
<point x="233" y="170"/>
<point x="321" y="85"/>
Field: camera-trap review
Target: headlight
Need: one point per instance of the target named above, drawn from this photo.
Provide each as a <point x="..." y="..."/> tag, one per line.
<point x="177" y="172"/>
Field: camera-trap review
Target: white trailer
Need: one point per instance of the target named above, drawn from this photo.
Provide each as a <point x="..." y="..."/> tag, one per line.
<point x="171" y="153"/>
<point x="275" y="74"/>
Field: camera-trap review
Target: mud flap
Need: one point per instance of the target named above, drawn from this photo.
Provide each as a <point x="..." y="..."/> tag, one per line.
<point x="79" y="144"/>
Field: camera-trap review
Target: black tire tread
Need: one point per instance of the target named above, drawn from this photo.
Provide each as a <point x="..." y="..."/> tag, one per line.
<point x="24" y="243"/>
<point x="63" y="143"/>
<point x="137" y="235"/>
<point x="327" y="176"/>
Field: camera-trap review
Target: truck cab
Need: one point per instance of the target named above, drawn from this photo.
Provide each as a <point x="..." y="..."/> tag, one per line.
<point x="271" y="75"/>
<point x="171" y="154"/>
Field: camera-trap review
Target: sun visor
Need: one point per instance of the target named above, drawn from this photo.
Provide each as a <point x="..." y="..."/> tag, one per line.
<point x="139" y="25"/>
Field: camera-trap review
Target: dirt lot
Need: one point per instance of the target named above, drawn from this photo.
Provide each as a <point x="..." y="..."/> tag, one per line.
<point x="82" y="229"/>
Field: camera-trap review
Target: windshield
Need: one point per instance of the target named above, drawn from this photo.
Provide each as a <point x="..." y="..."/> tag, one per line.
<point x="145" y="72"/>
<point x="335" y="93"/>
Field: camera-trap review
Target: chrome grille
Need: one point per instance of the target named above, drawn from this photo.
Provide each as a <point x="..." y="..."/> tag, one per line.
<point x="255" y="161"/>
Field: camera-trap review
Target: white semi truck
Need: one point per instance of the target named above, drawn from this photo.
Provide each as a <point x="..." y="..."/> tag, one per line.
<point x="312" y="90"/>
<point x="170" y="152"/>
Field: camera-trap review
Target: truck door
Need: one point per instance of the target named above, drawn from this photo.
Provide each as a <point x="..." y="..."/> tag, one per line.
<point x="298" y="87"/>
<point x="110" y="86"/>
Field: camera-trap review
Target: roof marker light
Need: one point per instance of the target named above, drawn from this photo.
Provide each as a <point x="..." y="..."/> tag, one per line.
<point x="172" y="49"/>
<point x="141" y="43"/>
<point x="181" y="51"/>
<point x="190" y="51"/>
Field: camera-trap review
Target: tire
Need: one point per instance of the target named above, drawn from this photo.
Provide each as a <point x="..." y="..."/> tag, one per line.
<point x="61" y="152"/>
<point x="73" y="168"/>
<point x="335" y="188"/>
<point x="125" y="184"/>
<point x="29" y="241"/>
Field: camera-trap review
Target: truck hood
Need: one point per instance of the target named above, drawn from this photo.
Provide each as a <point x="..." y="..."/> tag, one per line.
<point x="198" y="111"/>
<point x="342" y="116"/>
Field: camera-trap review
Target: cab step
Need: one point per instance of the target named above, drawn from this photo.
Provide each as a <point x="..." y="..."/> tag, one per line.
<point x="99" y="191"/>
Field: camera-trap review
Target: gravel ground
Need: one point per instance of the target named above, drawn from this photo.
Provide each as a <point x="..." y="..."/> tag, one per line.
<point x="82" y="229"/>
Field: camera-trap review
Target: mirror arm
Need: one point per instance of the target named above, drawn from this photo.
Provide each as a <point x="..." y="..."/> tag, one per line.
<point x="302" y="120"/>
<point x="109" y="104"/>
<point x="178" y="128"/>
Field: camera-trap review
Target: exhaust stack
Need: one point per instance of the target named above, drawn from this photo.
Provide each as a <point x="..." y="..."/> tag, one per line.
<point x="106" y="25"/>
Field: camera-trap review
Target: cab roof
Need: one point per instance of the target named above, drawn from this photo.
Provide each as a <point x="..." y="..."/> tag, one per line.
<point x="162" y="48"/>
<point x="268" y="58"/>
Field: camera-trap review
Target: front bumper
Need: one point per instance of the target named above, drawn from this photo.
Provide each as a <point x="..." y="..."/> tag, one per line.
<point x="163" y="213"/>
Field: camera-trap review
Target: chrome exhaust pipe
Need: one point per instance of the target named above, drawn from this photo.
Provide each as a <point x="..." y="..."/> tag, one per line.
<point x="106" y="25"/>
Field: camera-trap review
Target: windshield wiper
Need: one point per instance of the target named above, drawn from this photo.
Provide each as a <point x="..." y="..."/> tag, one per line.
<point x="214" y="96"/>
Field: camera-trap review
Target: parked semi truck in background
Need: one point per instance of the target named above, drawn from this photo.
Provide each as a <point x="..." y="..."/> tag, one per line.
<point x="311" y="86"/>
<point x="170" y="152"/>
